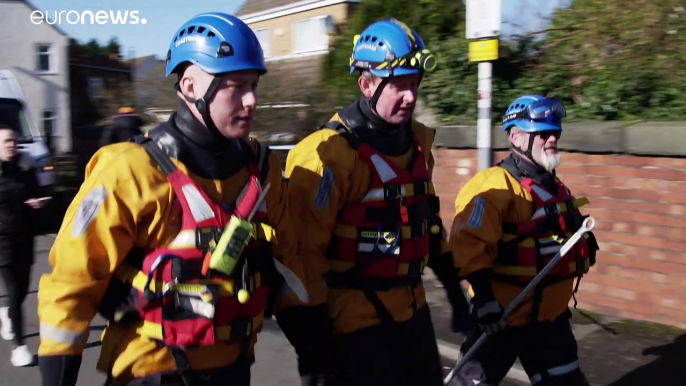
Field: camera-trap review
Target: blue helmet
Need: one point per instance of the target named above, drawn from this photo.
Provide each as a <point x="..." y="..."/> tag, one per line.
<point x="391" y="48"/>
<point x="535" y="113"/>
<point x="217" y="43"/>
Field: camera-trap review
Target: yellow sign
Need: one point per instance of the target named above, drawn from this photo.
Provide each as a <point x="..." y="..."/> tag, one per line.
<point x="483" y="50"/>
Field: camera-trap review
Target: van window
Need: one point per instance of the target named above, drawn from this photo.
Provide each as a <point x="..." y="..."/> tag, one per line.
<point x="12" y="114"/>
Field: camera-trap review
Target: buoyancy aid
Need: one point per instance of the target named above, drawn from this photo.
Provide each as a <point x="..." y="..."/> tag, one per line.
<point x="385" y="240"/>
<point x="526" y="247"/>
<point x="179" y="306"/>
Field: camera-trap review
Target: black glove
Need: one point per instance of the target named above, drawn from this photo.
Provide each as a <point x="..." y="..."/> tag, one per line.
<point x="444" y="269"/>
<point x="59" y="370"/>
<point x="310" y="331"/>
<point x="462" y="320"/>
<point x="488" y="316"/>
<point x="487" y="310"/>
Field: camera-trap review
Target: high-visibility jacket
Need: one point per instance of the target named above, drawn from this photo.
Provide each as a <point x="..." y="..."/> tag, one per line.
<point x="126" y="203"/>
<point x="339" y="198"/>
<point x="182" y="301"/>
<point x="527" y="246"/>
<point x="491" y="211"/>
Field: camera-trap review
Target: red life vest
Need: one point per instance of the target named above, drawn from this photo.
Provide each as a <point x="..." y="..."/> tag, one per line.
<point x="384" y="240"/>
<point x="178" y="305"/>
<point x="526" y="247"/>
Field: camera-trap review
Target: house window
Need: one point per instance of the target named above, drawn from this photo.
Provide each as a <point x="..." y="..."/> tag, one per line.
<point x="310" y="35"/>
<point x="263" y="36"/>
<point x="45" y="61"/>
<point x="49" y="121"/>
<point x="96" y="85"/>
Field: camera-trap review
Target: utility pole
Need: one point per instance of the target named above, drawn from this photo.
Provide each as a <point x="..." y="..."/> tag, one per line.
<point x="483" y="31"/>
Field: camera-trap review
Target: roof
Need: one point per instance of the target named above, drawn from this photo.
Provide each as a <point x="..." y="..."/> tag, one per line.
<point x="252" y="6"/>
<point x="33" y="7"/>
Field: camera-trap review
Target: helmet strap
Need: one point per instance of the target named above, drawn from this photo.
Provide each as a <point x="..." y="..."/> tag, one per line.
<point x="377" y="93"/>
<point x="203" y="105"/>
<point x="529" y="151"/>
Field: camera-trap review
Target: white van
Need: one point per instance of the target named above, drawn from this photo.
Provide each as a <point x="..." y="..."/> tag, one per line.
<point x="15" y="112"/>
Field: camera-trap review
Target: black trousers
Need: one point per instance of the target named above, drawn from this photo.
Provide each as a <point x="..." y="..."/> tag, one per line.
<point x="234" y="375"/>
<point x="547" y="351"/>
<point x="399" y="354"/>
<point x="15" y="269"/>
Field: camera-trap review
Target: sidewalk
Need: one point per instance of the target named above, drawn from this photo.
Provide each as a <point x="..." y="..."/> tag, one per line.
<point x="612" y="351"/>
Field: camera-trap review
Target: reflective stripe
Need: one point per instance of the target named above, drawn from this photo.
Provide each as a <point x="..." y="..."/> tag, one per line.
<point x="541" y="193"/>
<point x="184" y="239"/>
<point x="369" y="247"/>
<point x="556" y="371"/>
<point x="384" y="169"/>
<point x="378" y="194"/>
<point x="513" y="270"/>
<point x="406" y="190"/>
<point x="199" y="207"/>
<point x="553" y="249"/>
<point x="63" y="336"/>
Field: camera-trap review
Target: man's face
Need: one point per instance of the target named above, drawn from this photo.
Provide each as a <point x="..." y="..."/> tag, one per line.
<point x="544" y="150"/>
<point x="233" y="105"/>
<point x="398" y="98"/>
<point x="8" y="144"/>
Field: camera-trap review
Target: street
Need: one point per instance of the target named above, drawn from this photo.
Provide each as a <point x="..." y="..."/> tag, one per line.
<point x="276" y="363"/>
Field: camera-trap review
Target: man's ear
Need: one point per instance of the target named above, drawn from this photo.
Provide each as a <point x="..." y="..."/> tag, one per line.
<point x="515" y="137"/>
<point x="187" y="85"/>
<point x="366" y="86"/>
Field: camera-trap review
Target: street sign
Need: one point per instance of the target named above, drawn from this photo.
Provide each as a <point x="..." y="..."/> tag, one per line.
<point x="483" y="50"/>
<point x="483" y="18"/>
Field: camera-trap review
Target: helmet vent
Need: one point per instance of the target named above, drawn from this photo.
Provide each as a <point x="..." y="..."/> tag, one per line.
<point x="210" y="34"/>
<point x="201" y="30"/>
<point x="191" y="29"/>
<point x="183" y="31"/>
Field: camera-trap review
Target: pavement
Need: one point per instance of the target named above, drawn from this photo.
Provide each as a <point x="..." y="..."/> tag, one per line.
<point x="612" y="352"/>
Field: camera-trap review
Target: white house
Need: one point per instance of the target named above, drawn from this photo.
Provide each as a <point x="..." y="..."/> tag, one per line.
<point x="37" y="55"/>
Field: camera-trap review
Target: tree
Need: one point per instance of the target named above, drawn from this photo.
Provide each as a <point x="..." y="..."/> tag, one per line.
<point x="615" y="59"/>
<point x="93" y="47"/>
<point x="434" y="20"/>
<point x="451" y="90"/>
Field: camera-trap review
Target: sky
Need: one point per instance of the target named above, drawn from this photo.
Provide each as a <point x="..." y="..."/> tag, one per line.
<point x="163" y="17"/>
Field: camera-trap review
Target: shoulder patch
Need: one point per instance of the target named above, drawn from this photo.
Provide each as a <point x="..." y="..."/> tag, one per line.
<point x="477" y="215"/>
<point x="321" y="199"/>
<point x="88" y="209"/>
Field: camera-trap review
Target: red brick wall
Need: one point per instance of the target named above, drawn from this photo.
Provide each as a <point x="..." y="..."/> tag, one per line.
<point x="640" y="207"/>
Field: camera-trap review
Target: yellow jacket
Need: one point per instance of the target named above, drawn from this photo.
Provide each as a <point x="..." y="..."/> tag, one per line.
<point x="124" y="202"/>
<point x="305" y="166"/>
<point x="491" y="197"/>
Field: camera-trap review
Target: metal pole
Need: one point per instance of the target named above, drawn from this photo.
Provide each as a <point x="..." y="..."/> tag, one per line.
<point x="586" y="226"/>
<point x="483" y="125"/>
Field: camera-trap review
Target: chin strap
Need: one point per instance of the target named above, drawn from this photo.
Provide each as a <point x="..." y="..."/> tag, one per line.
<point x="203" y="104"/>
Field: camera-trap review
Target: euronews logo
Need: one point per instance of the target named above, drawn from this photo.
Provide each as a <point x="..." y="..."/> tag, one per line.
<point x="87" y="17"/>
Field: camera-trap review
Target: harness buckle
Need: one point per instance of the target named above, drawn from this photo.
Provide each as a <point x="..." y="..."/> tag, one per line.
<point x="392" y="193"/>
<point x="205" y="237"/>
